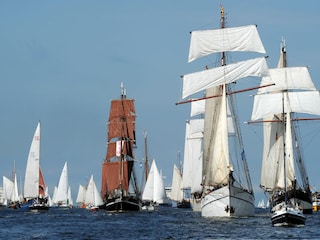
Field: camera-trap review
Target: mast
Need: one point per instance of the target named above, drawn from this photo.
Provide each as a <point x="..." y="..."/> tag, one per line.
<point x="146" y="164"/>
<point x="222" y="19"/>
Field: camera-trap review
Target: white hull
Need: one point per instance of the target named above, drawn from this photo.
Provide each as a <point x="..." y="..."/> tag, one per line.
<point x="304" y="205"/>
<point x="225" y="202"/>
<point x="196" y="204"/>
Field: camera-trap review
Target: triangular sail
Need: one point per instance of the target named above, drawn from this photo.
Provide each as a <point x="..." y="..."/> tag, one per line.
<point x="81" y="196"/>
<point x="31" y="183"/>
<point x="154" y="188"/>
<point x="63" y="186"/>
<point x="176" y="188"/>
<point x="93" y="197"/>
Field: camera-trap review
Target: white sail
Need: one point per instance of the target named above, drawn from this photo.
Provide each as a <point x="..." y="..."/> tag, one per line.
<point x="272" y="153"/>
<point x="192" y="162"/>
<point x="62" y="195"/>
<point x="216" y="162"/>
<point x="205" y="42"/>
<point x="197" y="108"/>
<point x="199" y="81"/>
<point x="278" y="107"/>
<point x="226" y="190"/>
<point x="154" y="188"/>
<point x="176" y="188"/>
<point x="93" y="198"/>
<point x="307" y="102"/>
<point x="81" y="196"/>
<point x="31" y="182"/>
<point x="70" y="196"/>
<point x="304" y="98"/>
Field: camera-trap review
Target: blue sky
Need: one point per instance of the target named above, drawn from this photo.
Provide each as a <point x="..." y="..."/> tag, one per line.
<point x="63" y="61"/>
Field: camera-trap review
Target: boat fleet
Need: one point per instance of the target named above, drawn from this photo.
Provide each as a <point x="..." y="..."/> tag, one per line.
<point x="213" y="177"/>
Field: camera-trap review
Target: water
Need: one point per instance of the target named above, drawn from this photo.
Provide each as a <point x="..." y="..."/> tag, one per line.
<point x="165" y="223"/>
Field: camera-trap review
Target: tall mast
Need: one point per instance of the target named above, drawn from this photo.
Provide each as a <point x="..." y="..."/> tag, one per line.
<point x="223" y="57"/>
<point x="146" y="164"/>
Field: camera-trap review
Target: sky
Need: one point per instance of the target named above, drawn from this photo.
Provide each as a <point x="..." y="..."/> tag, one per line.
<point x="61" y="63"/>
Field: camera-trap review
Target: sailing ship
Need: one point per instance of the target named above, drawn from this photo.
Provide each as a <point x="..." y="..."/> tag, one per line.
<point x="295" y="90"/>
<point x="119" y="186"/>
<point x="92" y="199"/>
<point x="226" y="188"/>
<point x="154" y="192"/>
<point x="34" y="184"/>
<point x="62" y="196"/>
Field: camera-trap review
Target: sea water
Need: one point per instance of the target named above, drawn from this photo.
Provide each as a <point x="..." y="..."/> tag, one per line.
<point x="164" y="223"/>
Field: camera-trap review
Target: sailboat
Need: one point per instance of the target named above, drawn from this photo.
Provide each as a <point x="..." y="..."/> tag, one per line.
<point x="10" y="190"/>
<point x="226" y="187"/>
<point x="154" y="191"/>
<point x="300" y="96"/>
<point x="177" y="191"/>
<point x="282" y="144"/>
<point x="119" y="186"/>
<point x="92" y="198"/>
<point x="81" y="196"/>
<point x="62" y="197"/>
<point x="34" y="185"/>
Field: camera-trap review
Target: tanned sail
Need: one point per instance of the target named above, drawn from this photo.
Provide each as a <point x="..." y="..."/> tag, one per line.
<point x="119" y="186"/>
<point x="226" y="184"/>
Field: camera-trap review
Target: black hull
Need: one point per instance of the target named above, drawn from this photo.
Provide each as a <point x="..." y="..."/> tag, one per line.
<point x="288" y="219"/>
<point x="38" y="208"/>
<point x="122" y="205"/>
<point x="183" y="204"/>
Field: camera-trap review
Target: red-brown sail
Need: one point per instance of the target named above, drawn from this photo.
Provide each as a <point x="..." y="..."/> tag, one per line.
<point x="117" y="167"/>
<point x="42" y="185"/>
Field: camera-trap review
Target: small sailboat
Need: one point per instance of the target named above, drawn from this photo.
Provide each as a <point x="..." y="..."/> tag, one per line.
<point x="34" y="184"/>
<point x="10" y="191"/>
<point x="81" y="196"/>
<point x="62" y="196"/>
<point x="294" y="87"/>
<point x="92" y="199"/>
<point x="154" y="192"/>
<point x="177" y="193"/>
<point x="226" y="187"/>
<point x="119" y="187"/>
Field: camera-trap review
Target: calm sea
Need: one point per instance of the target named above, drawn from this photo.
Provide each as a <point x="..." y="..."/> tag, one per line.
<point x="165" y="223"/>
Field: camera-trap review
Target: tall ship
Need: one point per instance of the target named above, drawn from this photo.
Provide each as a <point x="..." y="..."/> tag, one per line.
<point x="295" y="90"/>
<point x="226" y="184"/>
<point x="119" y="187"/>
